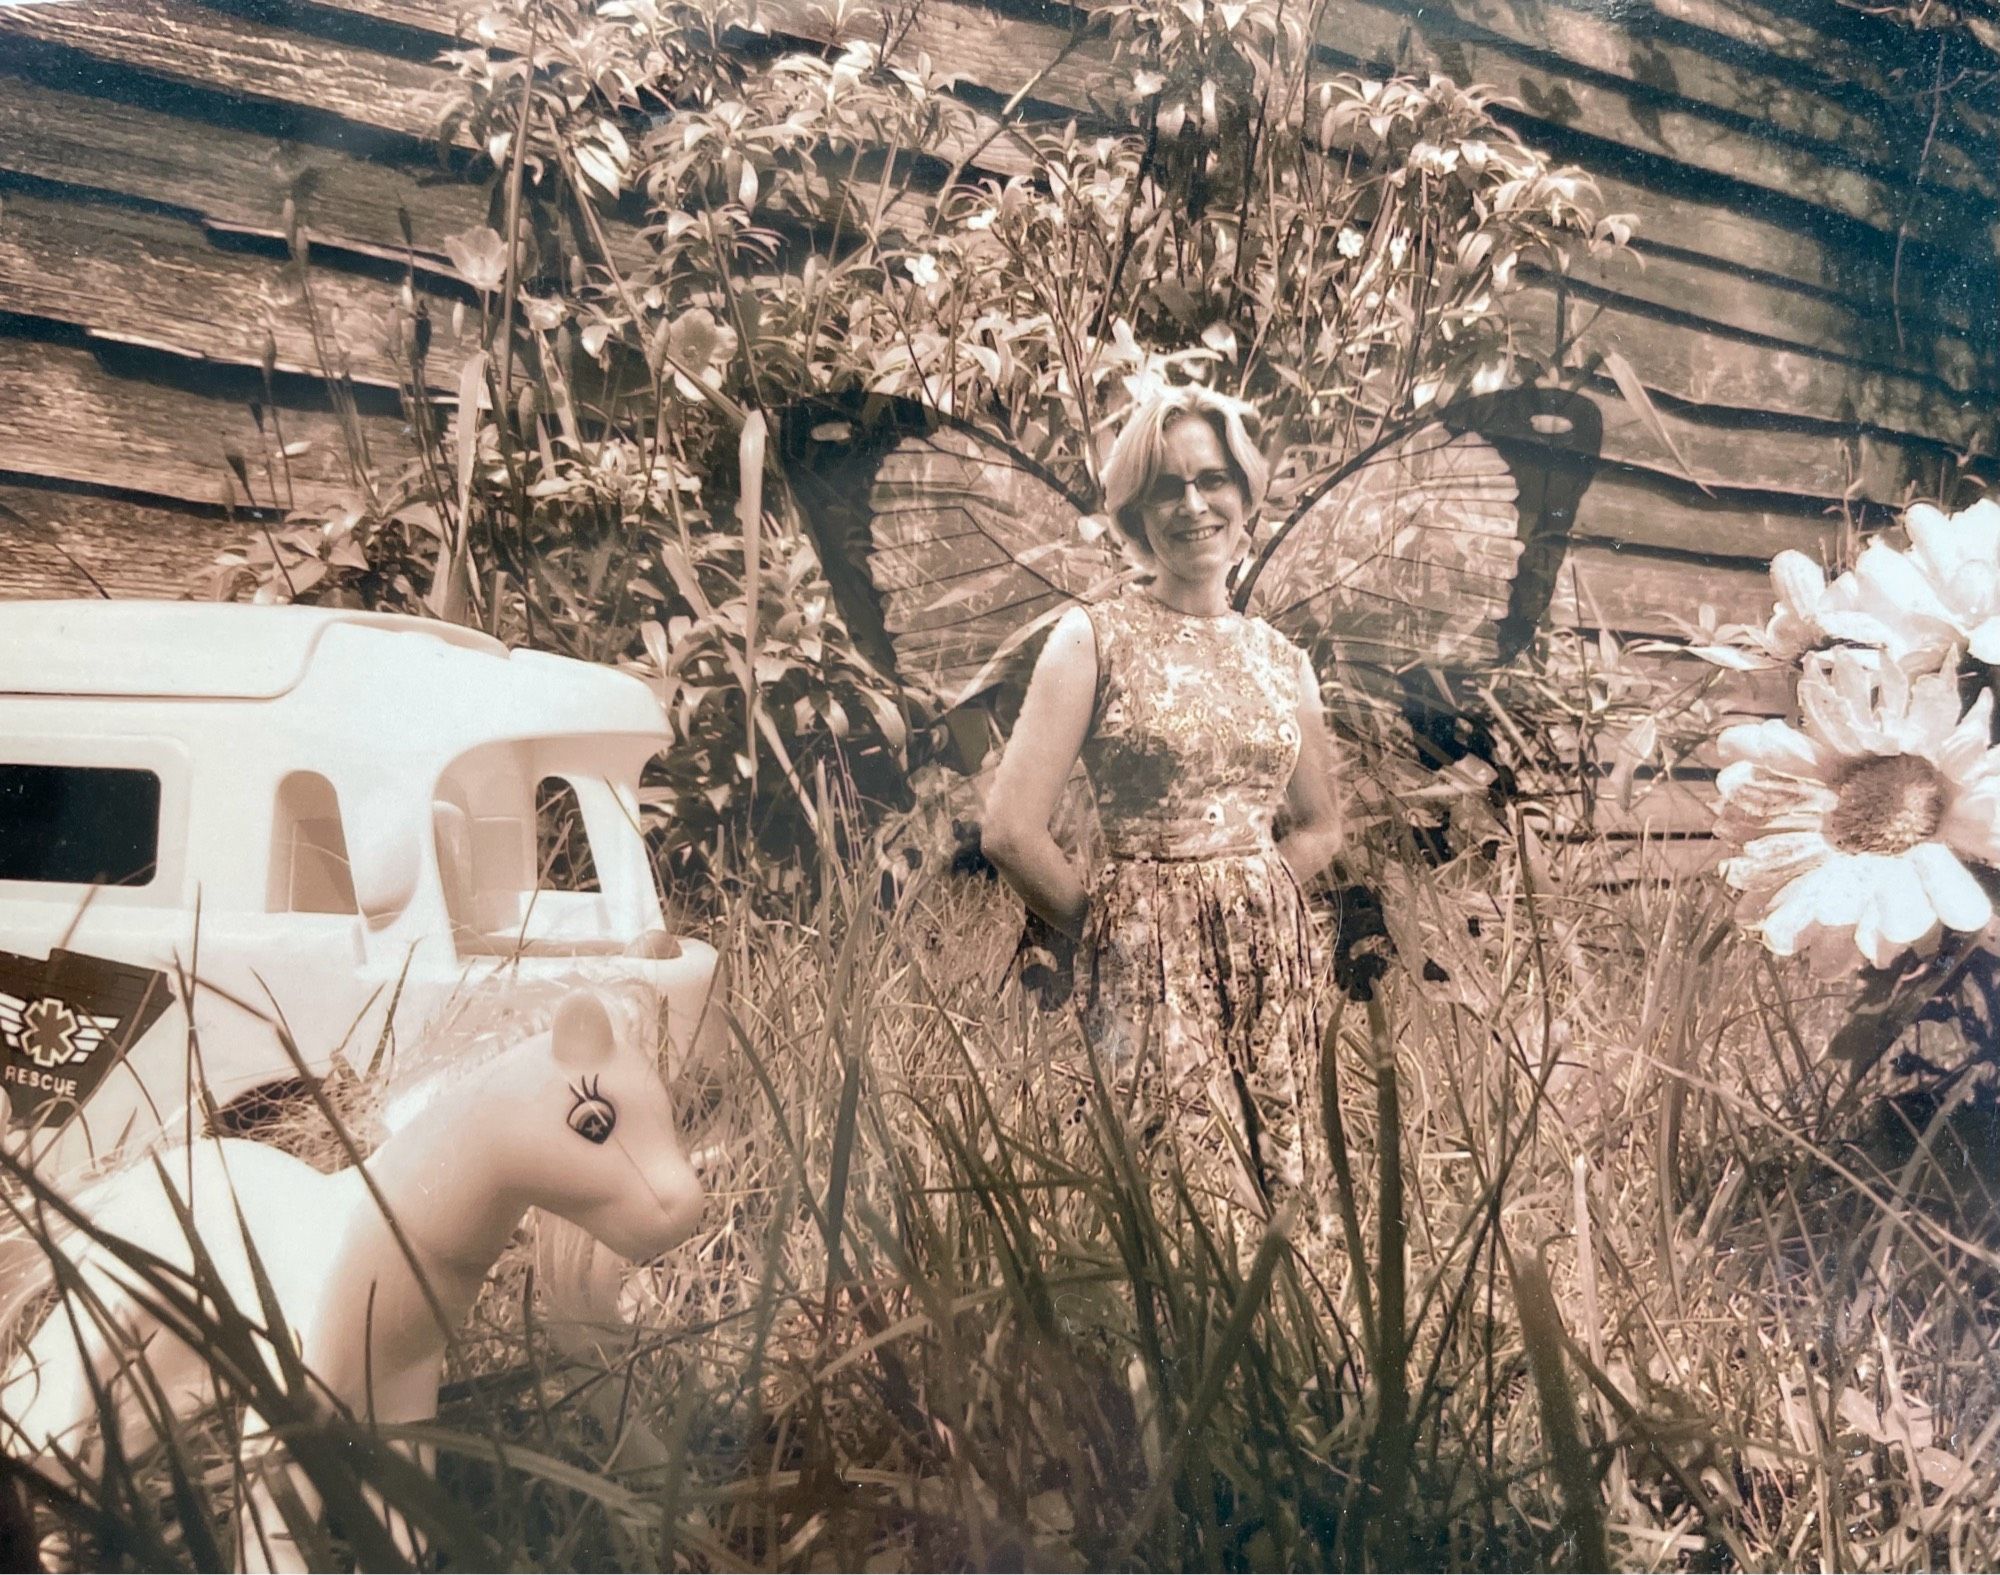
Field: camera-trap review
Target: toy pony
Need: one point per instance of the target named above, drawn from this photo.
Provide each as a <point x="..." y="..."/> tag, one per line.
<point x="570" y="1121"/>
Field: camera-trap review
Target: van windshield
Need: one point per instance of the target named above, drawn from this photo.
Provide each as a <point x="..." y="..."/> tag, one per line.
<point x="79" y="825"/>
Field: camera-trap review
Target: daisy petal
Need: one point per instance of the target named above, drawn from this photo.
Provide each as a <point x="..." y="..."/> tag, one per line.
<point x="1903" y="907"/>
<point x="1798" y="582"/>
<point x="1829" y="895"/>
<point x="1771" y="862"/>
<point x="1773" y="743"/>
<point x="1959" y="899"/>
<point x="1748" y="789"/>
<point x="1971" y="826"/>
<point x="1892" y="578"/>
<point x="1933" y="713"/>
<point x="1830" y="717"/>
<point x="1967" y="743"/>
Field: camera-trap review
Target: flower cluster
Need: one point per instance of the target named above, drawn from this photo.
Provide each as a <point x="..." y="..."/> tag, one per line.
<point x="1864" y="831"/>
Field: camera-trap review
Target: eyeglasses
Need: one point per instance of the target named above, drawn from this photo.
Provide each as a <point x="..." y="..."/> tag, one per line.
<point x="1167" y="488"/>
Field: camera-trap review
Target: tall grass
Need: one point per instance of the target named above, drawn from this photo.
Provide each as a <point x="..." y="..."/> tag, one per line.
<point x="1612" y="1279"/>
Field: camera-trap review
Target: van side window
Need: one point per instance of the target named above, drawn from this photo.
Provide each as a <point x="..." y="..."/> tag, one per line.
<point x="79" y="825"/>
<point x="562" y="847"/>
<point x="309" y="869"/>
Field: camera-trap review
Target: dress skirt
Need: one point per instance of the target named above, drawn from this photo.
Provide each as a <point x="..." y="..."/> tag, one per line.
<point x="1199" y="983"/>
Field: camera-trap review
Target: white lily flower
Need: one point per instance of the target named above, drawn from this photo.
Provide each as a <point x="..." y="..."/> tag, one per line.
<point x="1857" y="830"/>
<point x="1948" y="583"/>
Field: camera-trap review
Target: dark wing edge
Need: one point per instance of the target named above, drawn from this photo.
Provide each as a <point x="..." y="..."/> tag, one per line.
<point x="948" y="550"/>
<point x="1438" y="547"/>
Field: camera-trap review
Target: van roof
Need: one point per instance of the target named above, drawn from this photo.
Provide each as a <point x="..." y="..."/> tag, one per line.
<point x="182" y="650"/>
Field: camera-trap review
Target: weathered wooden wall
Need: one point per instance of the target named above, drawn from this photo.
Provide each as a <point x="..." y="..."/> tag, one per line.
<point x="1811" y="302"/>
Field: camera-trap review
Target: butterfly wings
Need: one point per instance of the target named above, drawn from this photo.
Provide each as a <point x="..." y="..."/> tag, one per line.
<point x="1428" y="552"/>
<point x="966" y="548"/>
<point x="1432" y="551"/>
<point x="975" y="554"/>
<point x="1408" y="560"/>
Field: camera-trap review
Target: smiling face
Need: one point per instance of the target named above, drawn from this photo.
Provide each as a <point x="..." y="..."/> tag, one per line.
<point x="1196" y="509"/>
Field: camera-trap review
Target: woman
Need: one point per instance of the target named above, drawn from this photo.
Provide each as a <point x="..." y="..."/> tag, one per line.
<point x="1198" y="967"/>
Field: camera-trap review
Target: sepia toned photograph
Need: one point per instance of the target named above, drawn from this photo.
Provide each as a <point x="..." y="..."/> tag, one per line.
<point x="917" y="785"/>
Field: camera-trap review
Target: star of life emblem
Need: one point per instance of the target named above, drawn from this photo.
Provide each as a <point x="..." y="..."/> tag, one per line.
<point x="49" y="1031"/>
<point x="65" y="1021"/>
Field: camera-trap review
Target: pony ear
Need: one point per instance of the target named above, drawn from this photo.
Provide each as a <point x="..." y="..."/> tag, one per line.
<point x="581" y="1035"/>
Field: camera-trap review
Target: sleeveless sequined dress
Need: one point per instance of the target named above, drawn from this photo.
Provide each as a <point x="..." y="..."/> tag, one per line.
<point x="1200" y="970"/>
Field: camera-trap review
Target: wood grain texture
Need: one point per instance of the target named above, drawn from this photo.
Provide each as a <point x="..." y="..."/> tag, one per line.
<point x="1789" y="314"/>
<point x="1666" y="807"/>
<point x="1750" y="241"/>
<point x="1634" y="119"/>
<point x="1632" y="592"/>
<point x="1670" y="72"/>
<point x="219" y="50"/>
<point x="1006" y="53"/>
<point x="1724" y="449"/>
<point x="1003" y="52"/>
<point x="1711" y="368"/>
<point x="1641" y="861"/>
<point x="68" y="544"/>
<point x="1677" y="678"/>
<point x="229" y="177"/>
<point x="65" y="416"/>
<point x="1740" y="57"/>
<point x="1878" y="65"/>
<point x="144" y="279"/>
<point x="1619" y="506"/>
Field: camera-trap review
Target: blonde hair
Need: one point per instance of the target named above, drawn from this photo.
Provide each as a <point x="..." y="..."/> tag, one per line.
<point x="1134" y="461"/>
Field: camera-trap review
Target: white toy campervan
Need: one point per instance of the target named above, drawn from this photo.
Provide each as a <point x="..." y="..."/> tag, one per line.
<point x="260" y="822"/>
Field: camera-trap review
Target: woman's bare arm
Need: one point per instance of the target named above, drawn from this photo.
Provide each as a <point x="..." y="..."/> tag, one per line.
<point x="1047" y="737"/>
<point x="1316" y="833"/>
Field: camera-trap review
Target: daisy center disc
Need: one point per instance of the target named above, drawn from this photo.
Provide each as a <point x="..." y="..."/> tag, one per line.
<point x="1887" y="805"/>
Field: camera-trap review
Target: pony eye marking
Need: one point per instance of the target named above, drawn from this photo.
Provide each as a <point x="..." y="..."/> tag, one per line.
<point x="592" y="1116"/>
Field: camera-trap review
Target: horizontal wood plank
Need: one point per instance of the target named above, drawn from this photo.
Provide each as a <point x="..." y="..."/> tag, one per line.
<point x="1009" y="53"/>
<point x="70" y="544"/>
<point x="232" y="178"/>
<point x="1633" y="592"/>
<point x="1712" y="368"/>
<point x="1732" y="450"/>
<point x="1627" y="509"/>
<point x="145" y="279"/>
<point x="1668" y="71"/>
<point x="1634" y="120"/>
<point x="1661" y="807"/>
<point x="1002" y="52"/>
<point x="224" y="52"/>
<point x="1728" y="236"/>
<point x="1886" y="67"/>
<point x="64" y="416"/>
<point x="1603" y="862"/>
<point x="1804" y="318"/>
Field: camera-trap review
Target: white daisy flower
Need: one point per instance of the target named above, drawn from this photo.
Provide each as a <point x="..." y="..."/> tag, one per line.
<point x="923" y="268"/>
<point x="1350" y="241"/>
<point x="1808" y="614"/>
<point x="1858" y="828"/>
<point x="1946" y="589"/>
